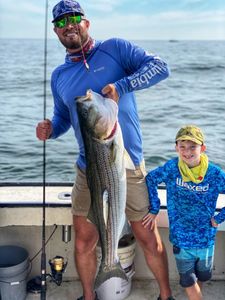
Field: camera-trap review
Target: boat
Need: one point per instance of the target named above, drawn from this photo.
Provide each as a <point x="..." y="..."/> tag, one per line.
<point x="21" y="224"/>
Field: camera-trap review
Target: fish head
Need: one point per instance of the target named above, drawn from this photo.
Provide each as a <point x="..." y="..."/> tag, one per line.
<point x="87" y="111"/>
<point x="97" y="114"/>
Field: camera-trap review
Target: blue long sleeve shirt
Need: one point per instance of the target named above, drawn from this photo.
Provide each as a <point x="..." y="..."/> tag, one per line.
<point x="190" y="206"/>
<point x="116" y="61"/>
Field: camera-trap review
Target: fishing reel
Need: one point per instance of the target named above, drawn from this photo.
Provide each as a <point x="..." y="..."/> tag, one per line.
<point x="58" y="267"/>
<point x="57" y="264"/>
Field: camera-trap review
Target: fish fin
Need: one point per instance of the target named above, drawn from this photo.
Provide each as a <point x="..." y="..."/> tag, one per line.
<point x="113" y="151"/>
<point x="105" y="198"/>
<point x="126" y="228"/>
<point x="106" y="273"/>
<point x="91" y="216"/>
<point x="128" y="161"/>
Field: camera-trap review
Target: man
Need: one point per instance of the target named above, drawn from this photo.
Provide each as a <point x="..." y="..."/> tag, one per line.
<point x="115" y="68"/>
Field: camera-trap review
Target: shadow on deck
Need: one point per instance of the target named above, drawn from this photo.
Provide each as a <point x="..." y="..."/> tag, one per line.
<point x="141" y="290"/>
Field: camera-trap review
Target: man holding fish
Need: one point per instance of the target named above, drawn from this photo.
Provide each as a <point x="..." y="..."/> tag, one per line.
<point x="114" y="68"/>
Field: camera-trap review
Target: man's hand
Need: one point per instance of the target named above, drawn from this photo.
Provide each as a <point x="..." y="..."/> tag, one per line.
<point x="44" y="130"/>
<point x="110" y="92"/>
<point x="149" y="221"/>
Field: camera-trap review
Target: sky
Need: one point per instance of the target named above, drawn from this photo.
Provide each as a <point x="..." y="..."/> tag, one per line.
<point x="129" y="19"/>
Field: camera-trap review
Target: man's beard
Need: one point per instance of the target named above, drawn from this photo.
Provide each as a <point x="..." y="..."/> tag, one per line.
<point x="74" y="44"/>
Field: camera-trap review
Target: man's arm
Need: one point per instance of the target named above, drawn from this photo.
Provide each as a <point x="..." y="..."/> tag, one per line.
<point x="144" y="69"/>
<point x="61" y="116"/>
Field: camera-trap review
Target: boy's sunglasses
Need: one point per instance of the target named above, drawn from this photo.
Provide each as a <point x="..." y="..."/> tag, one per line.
<point x="61" y="23"/>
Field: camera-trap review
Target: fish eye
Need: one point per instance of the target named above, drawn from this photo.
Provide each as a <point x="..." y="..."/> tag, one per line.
<point x="85" y="113"/>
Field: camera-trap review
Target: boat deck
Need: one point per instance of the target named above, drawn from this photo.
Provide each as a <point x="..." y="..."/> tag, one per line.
<point x="140" y="290"/>
<point x="21" y="225"/>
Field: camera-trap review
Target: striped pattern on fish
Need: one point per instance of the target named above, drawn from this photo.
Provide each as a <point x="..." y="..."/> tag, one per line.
<point x="106" y="177"/>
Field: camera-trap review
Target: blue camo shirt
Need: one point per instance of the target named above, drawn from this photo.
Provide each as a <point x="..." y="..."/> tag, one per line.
<point x="190" y="206"/>
<point x="116" y="61"/>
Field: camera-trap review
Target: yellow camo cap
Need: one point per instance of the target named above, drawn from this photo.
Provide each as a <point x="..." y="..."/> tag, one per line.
<point x="190" y="133"/>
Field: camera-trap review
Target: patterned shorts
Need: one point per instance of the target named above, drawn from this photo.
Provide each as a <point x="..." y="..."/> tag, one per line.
<point x="194" y="264"/>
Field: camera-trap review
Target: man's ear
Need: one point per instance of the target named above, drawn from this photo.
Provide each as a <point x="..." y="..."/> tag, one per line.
<point x="87" y="23"/>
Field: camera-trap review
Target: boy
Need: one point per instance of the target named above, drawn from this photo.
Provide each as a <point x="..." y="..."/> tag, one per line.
<point x="193" y="186"/>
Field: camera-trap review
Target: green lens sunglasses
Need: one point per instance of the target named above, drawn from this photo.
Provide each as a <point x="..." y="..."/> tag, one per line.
<point x="61" y="23"/>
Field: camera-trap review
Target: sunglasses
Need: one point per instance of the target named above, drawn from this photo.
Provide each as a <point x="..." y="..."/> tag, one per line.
<point x="61" y="23"/>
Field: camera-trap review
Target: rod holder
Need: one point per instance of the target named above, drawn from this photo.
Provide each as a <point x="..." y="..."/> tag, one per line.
<point x="66" y="233"/>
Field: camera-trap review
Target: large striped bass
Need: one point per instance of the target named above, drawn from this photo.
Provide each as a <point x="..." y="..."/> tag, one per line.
<point x="106" y="177"/>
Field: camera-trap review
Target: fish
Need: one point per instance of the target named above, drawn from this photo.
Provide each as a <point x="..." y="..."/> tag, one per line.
<point x="106" y="177"/>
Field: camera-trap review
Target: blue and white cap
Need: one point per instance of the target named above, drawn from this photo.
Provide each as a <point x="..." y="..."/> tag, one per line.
<point x="66" y="7"/>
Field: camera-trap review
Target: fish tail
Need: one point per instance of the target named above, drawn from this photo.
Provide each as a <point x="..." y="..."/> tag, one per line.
<point x="106" y="273"/>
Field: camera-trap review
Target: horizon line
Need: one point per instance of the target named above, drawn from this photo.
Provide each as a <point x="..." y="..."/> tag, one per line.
<point x="137" y="39"/>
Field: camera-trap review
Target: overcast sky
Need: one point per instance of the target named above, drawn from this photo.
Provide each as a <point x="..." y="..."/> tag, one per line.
<point x="140" y="19"/>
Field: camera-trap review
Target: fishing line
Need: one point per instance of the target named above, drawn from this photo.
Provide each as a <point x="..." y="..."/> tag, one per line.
<point x="43" y="254"/>
<point x="82" y="49"/>
<point x="54" y="230"/>
<point x="84" y="58"/>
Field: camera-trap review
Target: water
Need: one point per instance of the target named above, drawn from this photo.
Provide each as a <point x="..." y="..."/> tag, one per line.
<point x="194" y="93"/>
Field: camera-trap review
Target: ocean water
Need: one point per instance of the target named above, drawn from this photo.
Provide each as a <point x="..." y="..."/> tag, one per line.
<point x="194" y="93"/>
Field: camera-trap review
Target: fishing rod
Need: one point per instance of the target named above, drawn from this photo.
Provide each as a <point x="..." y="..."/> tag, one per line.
<point x="43" y="253"/>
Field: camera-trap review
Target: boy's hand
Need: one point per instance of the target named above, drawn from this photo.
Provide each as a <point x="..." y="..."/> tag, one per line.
<point x="149" y="221"/>
<point x="213" y="222"/>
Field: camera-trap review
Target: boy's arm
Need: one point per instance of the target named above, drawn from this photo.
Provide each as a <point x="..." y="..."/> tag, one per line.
<point x="154" y="178"/>
<point x="220" y="217"/>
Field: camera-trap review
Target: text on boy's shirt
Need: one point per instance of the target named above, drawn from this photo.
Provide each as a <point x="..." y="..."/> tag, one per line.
<point x="192" y="186"/>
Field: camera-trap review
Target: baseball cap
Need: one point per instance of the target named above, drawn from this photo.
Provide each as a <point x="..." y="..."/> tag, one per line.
<point x="66" y="7"/>
<point x="190" y="133"/>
